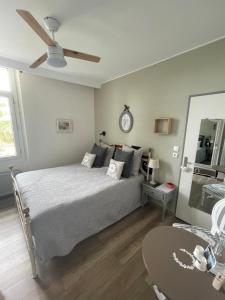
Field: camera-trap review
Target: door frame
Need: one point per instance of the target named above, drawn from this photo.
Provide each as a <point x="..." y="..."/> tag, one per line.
<point x="190" y="97"/>
<point x="217" y="142"/>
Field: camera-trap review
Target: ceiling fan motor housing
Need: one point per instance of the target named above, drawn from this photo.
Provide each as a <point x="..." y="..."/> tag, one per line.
<point x="52" y="24"/>
<point x="56" y="56"/>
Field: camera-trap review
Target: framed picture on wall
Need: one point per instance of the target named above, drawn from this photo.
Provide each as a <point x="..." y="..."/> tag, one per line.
<point x="64" y="125"/>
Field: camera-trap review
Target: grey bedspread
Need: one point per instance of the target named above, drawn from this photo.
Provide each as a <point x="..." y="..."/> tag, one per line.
<point x="70" y="203"/>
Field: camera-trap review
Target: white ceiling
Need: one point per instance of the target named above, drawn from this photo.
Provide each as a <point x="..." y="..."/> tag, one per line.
<point x="126" y="34"/>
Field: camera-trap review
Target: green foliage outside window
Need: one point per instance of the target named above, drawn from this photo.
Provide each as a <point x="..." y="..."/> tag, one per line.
<point x="6" y="132"/>
<point x="6" y="135"/>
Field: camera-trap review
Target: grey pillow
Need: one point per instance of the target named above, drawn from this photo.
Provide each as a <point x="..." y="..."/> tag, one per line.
<point x="136" y="159"/>
<point x="127" y="158"/>
<point x="100" y="155"/>
<point x="109" y="153"/>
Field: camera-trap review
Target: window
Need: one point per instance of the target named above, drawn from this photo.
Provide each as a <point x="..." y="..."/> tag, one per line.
<point x="9" y="146"/>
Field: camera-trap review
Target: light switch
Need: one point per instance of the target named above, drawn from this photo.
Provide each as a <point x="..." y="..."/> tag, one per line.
<point x="175" y="154"/>
<point x="176" y="148"/>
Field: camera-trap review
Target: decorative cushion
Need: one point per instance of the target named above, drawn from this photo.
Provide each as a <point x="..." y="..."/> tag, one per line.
<point x="109" y="153"/>
<point x="115" y="169"/>
<point x="100" y="155"/>
<point x="88" y="160"/>
<point x="136" y="159"/>
<point x="127" y="158"/>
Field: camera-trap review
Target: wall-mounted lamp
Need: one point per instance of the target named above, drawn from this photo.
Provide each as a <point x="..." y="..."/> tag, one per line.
<point x="103" y="133"/>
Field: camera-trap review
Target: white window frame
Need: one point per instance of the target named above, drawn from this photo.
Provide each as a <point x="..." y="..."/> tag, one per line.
<point x="15" y="117"/>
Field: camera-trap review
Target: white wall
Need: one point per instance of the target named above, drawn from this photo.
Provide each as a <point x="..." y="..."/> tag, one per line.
<point x="43" y="101"/>
<point x="160" y="91"/>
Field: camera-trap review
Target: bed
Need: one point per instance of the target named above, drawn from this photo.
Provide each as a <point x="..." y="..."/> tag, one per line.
<point x="59" y="207"/>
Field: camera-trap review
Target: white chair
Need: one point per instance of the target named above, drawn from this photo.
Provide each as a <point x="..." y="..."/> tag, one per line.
<point x="218" y="218"/>
<point x="218" y="225"/>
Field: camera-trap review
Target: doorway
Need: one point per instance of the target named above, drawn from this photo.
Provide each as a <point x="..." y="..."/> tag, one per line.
<point x="202" y="172"/>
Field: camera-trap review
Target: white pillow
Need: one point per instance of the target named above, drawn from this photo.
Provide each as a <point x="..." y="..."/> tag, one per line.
<point x="115" y="169"/>
<point x="136" y="159"/>
<point x="88" y="160"/>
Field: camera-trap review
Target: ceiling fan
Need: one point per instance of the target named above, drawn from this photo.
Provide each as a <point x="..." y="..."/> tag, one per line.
<point x="55" y="55"/>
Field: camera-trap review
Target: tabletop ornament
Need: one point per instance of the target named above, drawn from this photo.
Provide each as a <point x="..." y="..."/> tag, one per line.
<point x="182" y="265"/>
<point x="205" y="259"/>
<point x="202" y="259"/>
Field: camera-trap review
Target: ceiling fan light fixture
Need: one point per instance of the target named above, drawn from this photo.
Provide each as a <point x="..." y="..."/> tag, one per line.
<point x="57" y="62"/>
<point x="56" y="57"/>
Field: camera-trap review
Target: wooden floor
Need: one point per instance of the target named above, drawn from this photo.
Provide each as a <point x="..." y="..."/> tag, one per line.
<point x="106" y="266"/>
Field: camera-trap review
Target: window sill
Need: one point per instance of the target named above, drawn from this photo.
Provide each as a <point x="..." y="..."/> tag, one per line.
<point x="15" y="161"/>
<point x="9" y="158"/>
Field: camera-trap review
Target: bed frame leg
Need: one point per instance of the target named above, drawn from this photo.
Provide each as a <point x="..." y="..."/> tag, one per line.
<point x="32" y="259"/>
<point x="30" y="245"/>
<point x="33" y="265"/>
<point x="34" y="270"/>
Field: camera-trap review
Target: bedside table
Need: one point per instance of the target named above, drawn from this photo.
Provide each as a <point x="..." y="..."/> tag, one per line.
<point x="160" y="193"/>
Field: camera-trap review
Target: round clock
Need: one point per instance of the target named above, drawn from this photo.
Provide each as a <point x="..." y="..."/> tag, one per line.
<point x="126" y="120"/>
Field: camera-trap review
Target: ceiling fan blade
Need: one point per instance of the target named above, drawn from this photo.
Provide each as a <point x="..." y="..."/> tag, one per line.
<point x="33" y="23"/>
<point x="39" y="61"/>
<point x="80" y="55"/>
